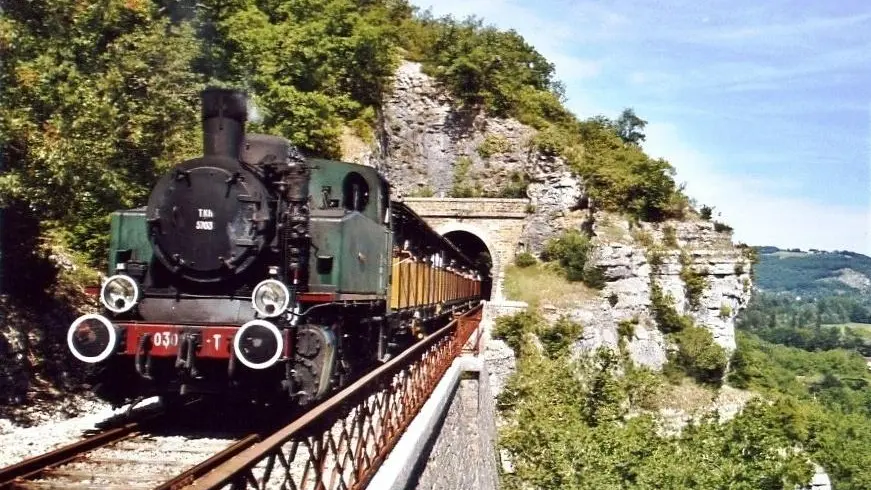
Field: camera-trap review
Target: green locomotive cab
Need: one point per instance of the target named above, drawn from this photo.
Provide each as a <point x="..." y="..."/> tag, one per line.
<point x="350" y="234"/>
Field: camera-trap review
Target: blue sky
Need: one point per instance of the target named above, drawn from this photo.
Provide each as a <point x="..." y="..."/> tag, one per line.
<point x="764" y="108"/>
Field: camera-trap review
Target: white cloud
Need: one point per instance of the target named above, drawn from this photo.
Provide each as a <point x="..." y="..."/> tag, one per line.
<point x="755" y="207"/>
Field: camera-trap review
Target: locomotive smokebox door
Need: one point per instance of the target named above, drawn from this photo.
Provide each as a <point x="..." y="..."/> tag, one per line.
<point x="208" y="219"/>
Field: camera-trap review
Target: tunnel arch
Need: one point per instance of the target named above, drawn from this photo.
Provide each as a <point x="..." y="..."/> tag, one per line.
<point x="474" y="242"/>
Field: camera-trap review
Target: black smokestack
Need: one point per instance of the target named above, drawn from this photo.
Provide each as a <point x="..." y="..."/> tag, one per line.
<point x="224" y="116"/>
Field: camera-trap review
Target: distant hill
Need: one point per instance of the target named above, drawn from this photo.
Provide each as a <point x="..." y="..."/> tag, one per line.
<point x="812" y="272"/>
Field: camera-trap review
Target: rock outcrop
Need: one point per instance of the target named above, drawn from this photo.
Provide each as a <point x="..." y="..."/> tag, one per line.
<point x="627" y="294"/>
<point x="428" y="146"/>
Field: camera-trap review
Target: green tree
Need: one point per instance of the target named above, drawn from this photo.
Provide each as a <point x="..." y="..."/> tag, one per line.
<point x="97" y="101"/>
<point x="630" y="127"/>
<point x="312" y="65"/>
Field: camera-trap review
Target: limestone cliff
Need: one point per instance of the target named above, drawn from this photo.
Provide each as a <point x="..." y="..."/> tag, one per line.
<point x="426" y="144"/>
<point x="624" y="255"/>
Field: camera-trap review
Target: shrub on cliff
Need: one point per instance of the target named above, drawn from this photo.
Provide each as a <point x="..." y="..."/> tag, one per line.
<point x="557" y="339"/>
<point x="699" y="356"/>
<point x="570" y="250"/>
<point x="518" y="183"/>
<point x="493" y="144"/>
<point x="525" y="259"/>
<point x="518" y="329"/>
<point x="694" y="281"/>
<point x="668" y="320"/>
<point x="515" y="329"/>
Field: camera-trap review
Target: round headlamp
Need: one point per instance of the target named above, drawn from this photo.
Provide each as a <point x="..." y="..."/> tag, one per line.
<point x="258" y="344"/>
<point x="270" y="298"/>
<point x="92" y="338"/>
<point x="119" y="293"/>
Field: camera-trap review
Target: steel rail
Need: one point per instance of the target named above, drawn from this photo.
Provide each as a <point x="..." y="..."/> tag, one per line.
<point x="35" y="465"/>
<point x="201" y="469"/>
<point x="378" y="407"/>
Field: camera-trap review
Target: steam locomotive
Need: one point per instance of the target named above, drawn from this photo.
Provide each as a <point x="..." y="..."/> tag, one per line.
<point x="256" y="272"/>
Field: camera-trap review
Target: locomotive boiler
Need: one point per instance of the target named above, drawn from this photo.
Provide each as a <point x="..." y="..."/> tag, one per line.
<point x="256" y="272"/>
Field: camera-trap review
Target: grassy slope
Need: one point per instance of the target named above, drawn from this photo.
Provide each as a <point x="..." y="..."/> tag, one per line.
<point x="541" y="284"/>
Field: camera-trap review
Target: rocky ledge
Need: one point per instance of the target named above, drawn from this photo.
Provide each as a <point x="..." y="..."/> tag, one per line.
<point x="623" y="253"/>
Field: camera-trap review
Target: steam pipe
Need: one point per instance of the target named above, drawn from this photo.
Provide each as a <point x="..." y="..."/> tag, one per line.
<point x="224" y="114"/>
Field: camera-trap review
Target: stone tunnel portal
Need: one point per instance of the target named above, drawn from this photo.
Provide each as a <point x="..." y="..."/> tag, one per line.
<point x="477" y="250"/>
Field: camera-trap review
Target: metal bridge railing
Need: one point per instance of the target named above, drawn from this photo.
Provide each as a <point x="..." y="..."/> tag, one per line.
<point x="341" y="443"/>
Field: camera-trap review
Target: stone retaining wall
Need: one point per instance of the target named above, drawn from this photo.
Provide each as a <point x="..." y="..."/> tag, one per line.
<point x="463" y="455"/>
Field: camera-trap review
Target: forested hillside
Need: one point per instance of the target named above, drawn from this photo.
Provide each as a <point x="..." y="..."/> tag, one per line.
<point x="812" y="300"/>
<point x="99" y="98"/>
<point x="803" y="337"/>
<point x="602" y="427"/>
<point x="812" y="272"/>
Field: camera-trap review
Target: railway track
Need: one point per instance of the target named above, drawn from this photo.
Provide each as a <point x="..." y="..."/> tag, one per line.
<point x="133" y="455"/>
<point x="338" y="444"/>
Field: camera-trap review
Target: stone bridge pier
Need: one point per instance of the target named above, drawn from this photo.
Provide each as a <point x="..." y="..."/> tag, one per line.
<point x="497" y="223"/>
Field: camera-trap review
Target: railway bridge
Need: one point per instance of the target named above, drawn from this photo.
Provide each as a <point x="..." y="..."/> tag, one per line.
<point x="478" y="225"/>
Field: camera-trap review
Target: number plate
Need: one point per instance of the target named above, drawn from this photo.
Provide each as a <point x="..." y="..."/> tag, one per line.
<point x="215" y="342"/>
<point x="166" y="340"/>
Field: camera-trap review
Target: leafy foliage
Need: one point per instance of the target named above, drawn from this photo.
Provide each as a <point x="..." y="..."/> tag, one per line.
<point x="518" y="182"/>
<point x="667" y="318"/>
<point x="699" y="356"/>
<point x="626" y="328"/>
<point x="525" y="259"/>
<point x="500" y="73"/>
<point x="629" y="127"/>
<point x="621" y="176"/>
<point x="569" y="249"/>
<point x="493" y="144"/>
<point x="828" y="399"/>
<point x="669" y="236"/>
<point x="425" y="191"/>
<point x="463" y="184"/>
<point x="557" y="338"/>
<point x="100" y="100"/>
<point x="694" y="281"/>
<point x="720" y="227"/>
<point x="520" y="329"/>
<point x="806" y="323"/>
<point x="488" y="68"/>
<point x="514" y="329"/>
<point x="97" y="102"/>
<point x="312" y="65"/>
<point x="568" y="427"/>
